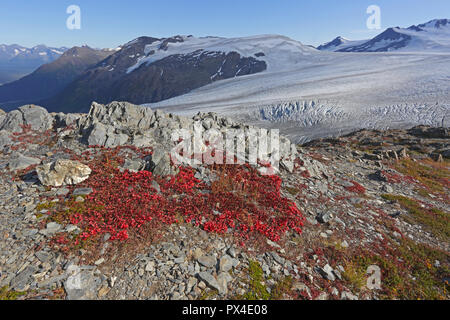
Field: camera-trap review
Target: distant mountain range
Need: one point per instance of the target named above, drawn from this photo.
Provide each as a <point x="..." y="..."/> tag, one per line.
<point x="51" y="78"/>
<point x="431" y="36"/>
<point x="17" y="61"/>
<point x="150" y="70"/>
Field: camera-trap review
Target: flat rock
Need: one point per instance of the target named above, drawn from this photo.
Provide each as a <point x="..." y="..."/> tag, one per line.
<point x="209" y="279"/>
<point x="207" y="261"/>
<point x="82" y="191"/>
<point x="20" y="162"/>
<point x="226" y="263"/>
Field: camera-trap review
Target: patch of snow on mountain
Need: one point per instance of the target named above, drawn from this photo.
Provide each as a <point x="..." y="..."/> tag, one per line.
<point x="280" y="52"/>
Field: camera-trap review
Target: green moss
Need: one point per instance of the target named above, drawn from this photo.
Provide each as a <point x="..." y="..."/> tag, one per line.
<point x="257" y="290"/>
<point x="408" y="271"/>
<point x="208" y="294"/>
<point x="435" y="220"/>
<point x="6" y="294"/>
<point x="355" y="274"/>
<point x="45" y="206"/>
<point x="434" y="176"/>
<point x="282" y="287"/>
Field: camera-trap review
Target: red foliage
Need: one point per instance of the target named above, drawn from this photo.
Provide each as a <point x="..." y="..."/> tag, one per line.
<point x="251" y="204"/>
<point x="356" y="188"/>
<point x="397" y="178"/>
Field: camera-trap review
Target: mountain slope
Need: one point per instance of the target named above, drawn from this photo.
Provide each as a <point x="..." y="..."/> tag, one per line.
<point x="339" y="43"/>
<point x="150" y="70"/>
<point x="50" y="78"/>
<point x="431" y="36"/>
<point x="17" y="61"/>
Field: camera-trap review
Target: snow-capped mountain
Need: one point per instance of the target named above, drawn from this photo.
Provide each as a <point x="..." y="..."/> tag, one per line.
<point x="150" y="69"/>
<point x="431" y="36"/>
<point x="42" y="52"/>
<point x="17" y="61"/>
<point x="339" y="43"/>
<point x="318" y="93"/>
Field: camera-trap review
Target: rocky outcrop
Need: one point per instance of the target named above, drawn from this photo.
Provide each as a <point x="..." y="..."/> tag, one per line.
<point x="63" y="172"/>
<point x="117" y="124"/>
<point x="122" y="123"/>
<point x="430" y="132"/>
<point x="35" y="117"/>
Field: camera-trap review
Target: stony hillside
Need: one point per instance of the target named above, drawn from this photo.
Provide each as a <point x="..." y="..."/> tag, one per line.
<point x="92" y="207"/>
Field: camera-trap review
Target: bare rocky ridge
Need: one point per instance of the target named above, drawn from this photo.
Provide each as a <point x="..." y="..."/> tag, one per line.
<point x="351" y="189"/>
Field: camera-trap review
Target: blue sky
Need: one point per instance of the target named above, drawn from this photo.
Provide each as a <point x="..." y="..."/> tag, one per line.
<point x="114" y="22"/>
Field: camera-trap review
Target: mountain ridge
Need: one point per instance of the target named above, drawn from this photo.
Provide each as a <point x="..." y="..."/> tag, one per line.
<point x="433" y="35"/>
<point x="17" y="61"/>
<point x="149" y="69"/>
<point x="50" y="78"/>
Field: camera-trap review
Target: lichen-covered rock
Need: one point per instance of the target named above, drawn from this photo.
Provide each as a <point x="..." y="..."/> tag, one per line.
<point x="122" y="123"/>
<point x="63" y="120"/>
<point x="63" y="172"/>
<point x="120" y="115"/>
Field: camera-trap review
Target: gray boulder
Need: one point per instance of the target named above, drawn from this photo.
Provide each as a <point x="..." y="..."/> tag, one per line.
<point x="63" y="120"/>
<point x="20" y="162"/>
<point x="210" y="281"/>
<point x="134" y="165"/>
<point x="121" y="114"/>
<point x="36" y="117"/>
<point x="160" y="163"/>
<point x="30" y="115"/>
<point x="81" y="283"/>
<point x="22" y="281"/>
